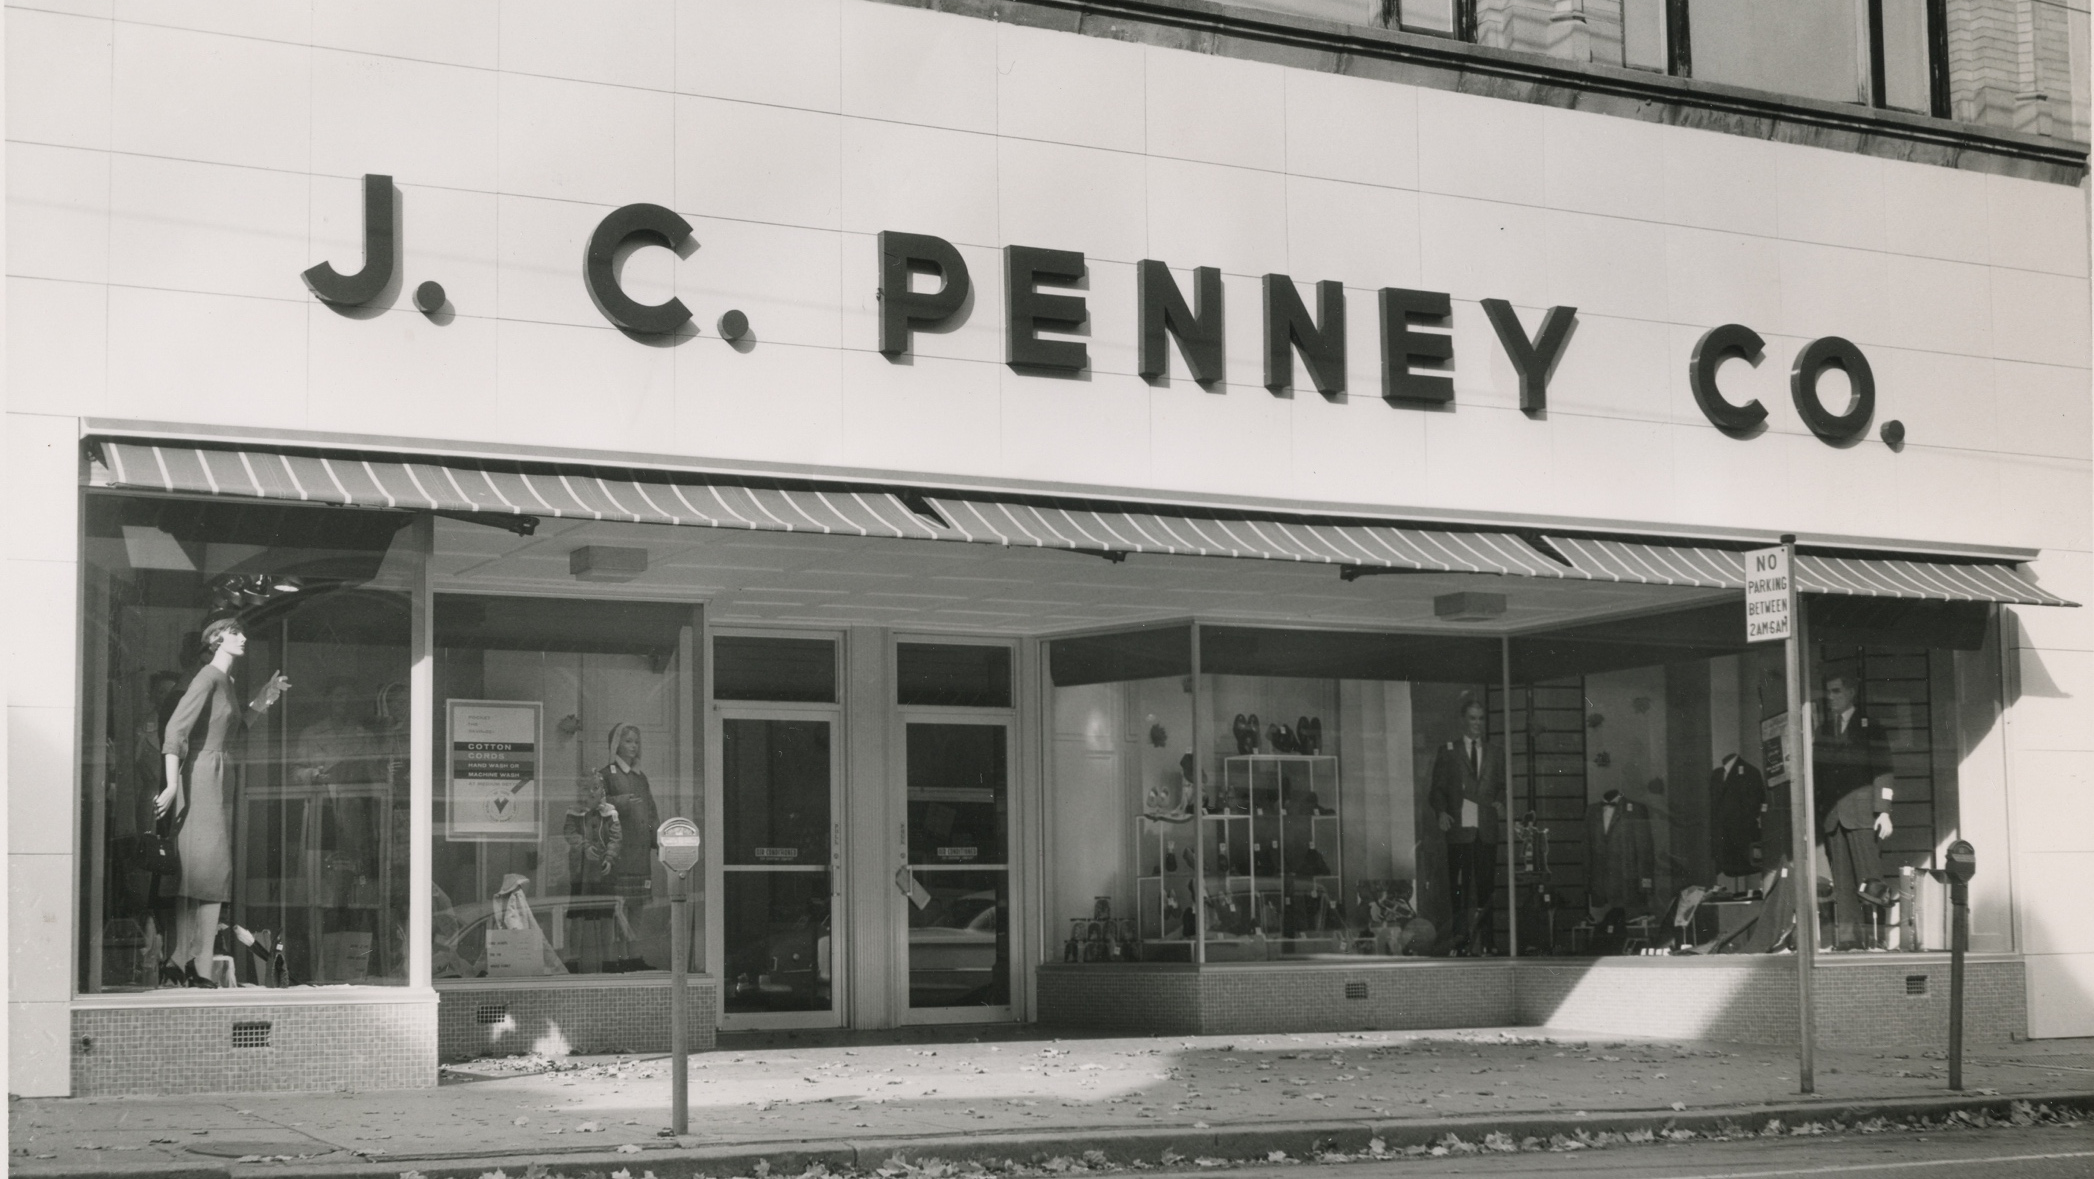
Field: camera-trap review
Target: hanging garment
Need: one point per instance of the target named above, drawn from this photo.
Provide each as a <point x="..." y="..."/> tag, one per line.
<point x="1617" y="852"/>
<point x="1737" y="806"/>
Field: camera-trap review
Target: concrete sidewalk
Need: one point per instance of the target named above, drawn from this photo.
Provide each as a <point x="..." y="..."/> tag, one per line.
<point x="1231" y="1096"/>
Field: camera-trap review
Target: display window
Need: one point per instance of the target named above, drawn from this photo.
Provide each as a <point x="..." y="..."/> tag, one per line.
<point x="1613" y="788"/>
<point x="244" y="801"/>
<point x="565" y="733"/>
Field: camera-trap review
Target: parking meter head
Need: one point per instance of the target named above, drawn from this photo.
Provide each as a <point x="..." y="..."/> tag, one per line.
<point x="677" y="843"/>
<point x="1961" y="862"/>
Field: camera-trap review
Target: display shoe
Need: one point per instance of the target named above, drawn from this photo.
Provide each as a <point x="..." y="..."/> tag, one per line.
<point x="190" y="978"/>
<point x="1240" y="729"/>
<point x="171" y="975"/>
<point x="1282" y="739"/>
<point x="1170" y="857"/>
<point x="1308" y="733"/>
<point x="1251" y="727"/>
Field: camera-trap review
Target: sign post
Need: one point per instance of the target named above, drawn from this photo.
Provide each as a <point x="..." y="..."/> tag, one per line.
<point x="676" y="843"/>
<point x="1959" y="866"/>
<point x="1772" y="613"/>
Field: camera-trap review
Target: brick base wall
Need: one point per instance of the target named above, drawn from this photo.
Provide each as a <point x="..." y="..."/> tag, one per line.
<point x="586" y="1017"/>
<point x="1750" y="1000"/>
<point x="1226" y="1000"/>
<point x="167" y="1050"/>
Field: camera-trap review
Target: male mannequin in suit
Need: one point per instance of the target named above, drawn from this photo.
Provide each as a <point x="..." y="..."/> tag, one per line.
<point x="1467" y="775"/>
<point x="1852" y="779"/>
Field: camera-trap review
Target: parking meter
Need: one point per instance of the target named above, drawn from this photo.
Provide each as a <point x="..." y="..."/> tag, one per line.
<point x="1959" y="865"/>
<point x="677" y="843"/>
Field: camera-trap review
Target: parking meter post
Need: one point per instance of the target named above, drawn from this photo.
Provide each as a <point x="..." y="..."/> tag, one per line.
<point x="676" y="844"/>
<point x="1959" y="940"/>
<point x="1959" y="865"/>
<point x="679" y="1009"/>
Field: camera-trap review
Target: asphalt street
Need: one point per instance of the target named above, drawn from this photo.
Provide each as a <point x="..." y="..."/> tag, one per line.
<point x="2034" y="1152"/>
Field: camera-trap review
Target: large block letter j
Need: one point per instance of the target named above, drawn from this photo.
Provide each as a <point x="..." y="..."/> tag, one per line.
<point x="354" y="290"/>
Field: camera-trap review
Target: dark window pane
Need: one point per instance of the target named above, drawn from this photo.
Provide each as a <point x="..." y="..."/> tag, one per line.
<point x="799" y="671"/>
<point x="959" y="803"/>
<point x="1129" y="655"/>
<point x="1801" y="47"/>
<point x="775" y="791"/>
<point x="778" y="941"/>
<point x="1906" y="81"/>
<point x="953" y="674"/>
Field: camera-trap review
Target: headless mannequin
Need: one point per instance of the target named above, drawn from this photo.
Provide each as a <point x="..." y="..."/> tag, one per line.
<point x="196" y="922"/>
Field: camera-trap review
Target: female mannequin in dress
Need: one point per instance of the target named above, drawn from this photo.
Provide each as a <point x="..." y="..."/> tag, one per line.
<point x="205" y="840"/>
<point x="632" y="877"/>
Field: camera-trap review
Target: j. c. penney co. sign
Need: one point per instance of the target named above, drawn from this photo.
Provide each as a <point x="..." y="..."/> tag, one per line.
<point x="1416" y="345"/>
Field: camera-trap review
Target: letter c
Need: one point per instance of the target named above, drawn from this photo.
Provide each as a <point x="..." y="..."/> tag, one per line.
<point x="1716" y="346"/>
<point x="650" y="223"/>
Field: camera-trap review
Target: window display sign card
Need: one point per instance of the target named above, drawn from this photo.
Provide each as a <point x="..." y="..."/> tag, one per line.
<point x="494" y="770"/>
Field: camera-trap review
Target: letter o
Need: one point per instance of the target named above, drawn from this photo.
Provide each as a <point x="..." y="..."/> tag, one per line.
<point x="1816" y="357"/>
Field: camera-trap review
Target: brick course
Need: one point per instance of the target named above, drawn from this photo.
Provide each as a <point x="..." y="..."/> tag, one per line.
<point x="1742" y="999"/>
<point x="312" y="1046"/>
<point x="590" y="1017"/>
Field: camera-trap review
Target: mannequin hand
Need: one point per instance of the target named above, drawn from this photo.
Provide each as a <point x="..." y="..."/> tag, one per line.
<point x="1446" y="822"/>
<point x="163" y="802"/>
<point x="1883" y="826"/>
<point x="276" y="687"/>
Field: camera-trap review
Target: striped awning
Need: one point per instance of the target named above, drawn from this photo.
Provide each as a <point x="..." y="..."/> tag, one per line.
<point x="498" y="489"/>
<point x="1362" y="545"/>
<point x="493" y="489"/>
<point x="1867" y="577"/>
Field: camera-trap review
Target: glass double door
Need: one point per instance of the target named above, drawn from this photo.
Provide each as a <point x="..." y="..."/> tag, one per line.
<point x="786" y="947"/>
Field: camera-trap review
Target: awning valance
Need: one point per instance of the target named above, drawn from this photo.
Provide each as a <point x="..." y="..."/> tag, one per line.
<point x="1363" y="545"/>
<point x="1869" y="577"/>
<point x="494" y="489"/>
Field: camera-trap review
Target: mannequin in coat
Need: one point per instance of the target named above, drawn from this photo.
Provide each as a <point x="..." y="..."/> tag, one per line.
<point x="1617" y="854"/>
<point x="1737" y="808"/>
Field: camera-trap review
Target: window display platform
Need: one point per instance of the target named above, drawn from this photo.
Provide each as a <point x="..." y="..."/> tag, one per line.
<point x="1886" y="1000"/>
<point x="299" y="1039"/>
<point x="1356" y="994"/>
<point x="589" y="1014"/>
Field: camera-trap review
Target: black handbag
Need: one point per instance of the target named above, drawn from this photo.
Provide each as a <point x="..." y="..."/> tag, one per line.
<point x="154" y="851"/>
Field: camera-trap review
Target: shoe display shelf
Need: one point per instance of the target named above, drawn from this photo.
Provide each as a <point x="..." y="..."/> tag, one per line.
<point x="1269" y="850"/>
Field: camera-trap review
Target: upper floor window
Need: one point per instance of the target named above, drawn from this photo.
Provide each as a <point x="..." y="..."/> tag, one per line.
<point x="2012" y="64"/>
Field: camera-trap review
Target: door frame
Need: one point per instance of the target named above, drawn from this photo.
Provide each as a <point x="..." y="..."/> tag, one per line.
<point x="716" y="713"/>
<point x="894" y="844"/>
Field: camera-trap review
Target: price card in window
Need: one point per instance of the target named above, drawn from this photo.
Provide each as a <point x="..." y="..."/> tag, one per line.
<point x="493" y="775"/>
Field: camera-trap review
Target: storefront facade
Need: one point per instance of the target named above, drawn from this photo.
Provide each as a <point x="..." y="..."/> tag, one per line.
<point x="1190" y="517"/>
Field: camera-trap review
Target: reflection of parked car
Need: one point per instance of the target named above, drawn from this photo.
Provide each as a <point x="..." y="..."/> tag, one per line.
<point x="459" y="946"/>
<point x="954" y="954"/>
<point x="791" y="970"/>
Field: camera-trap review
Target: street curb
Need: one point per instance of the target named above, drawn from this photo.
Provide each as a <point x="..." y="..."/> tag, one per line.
<point x="1120" y="1144"/>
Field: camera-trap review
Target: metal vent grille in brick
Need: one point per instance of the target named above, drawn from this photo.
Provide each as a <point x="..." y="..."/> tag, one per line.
<point x="491" y="1013"/>
<point x="1355" y="990"/>
<point x="1915" y="984"/>
<point x="251" y="1035"/>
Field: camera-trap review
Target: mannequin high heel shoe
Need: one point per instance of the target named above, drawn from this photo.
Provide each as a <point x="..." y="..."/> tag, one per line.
<point x="191" y="978"/>
<point x="171" y="975"/>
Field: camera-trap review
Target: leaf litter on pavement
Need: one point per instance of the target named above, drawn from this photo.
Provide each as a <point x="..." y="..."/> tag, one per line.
<point x="2017" y="1114"/>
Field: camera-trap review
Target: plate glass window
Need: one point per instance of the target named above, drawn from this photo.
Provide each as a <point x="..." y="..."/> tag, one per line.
<point x="282" y="857"/>
<point x="565" y="733"/>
